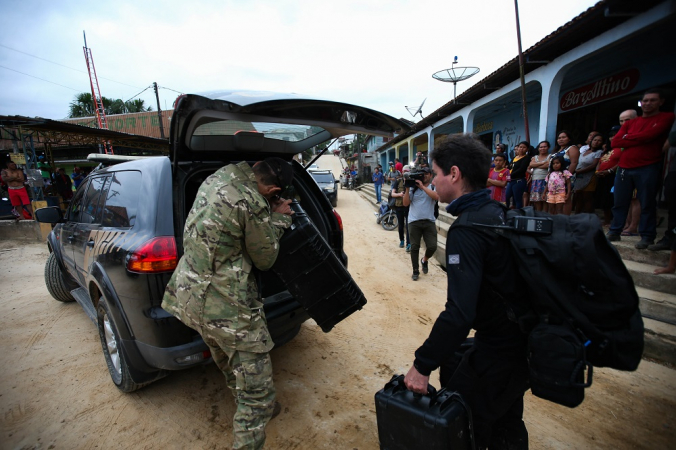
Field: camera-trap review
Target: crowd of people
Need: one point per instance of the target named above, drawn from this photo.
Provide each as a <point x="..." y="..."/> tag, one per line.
<point x="621" y="172"/>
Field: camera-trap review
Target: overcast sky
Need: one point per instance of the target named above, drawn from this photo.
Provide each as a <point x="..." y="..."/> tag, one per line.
<point x="375" y="53"/>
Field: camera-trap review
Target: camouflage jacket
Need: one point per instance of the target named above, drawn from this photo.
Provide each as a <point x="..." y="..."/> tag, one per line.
<point x="229" y="230"/>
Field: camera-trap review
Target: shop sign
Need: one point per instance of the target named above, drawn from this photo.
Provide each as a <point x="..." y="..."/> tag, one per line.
<point x="483" y="126"/>
<point x="604" y="89"/>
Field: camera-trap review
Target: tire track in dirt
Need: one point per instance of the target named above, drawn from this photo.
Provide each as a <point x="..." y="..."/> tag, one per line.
<point x="44" y="330"/>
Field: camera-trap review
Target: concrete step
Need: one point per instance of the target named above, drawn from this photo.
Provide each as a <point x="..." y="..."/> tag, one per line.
<point x="22" y="230"/>
<point x="643" y="276"/>
<point x="628" y="252"/>
<point x="657" y="305"/>
<point x="660" y="341"/>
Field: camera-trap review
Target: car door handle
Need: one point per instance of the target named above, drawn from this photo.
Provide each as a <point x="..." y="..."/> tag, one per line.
<point x="90" y="243"/>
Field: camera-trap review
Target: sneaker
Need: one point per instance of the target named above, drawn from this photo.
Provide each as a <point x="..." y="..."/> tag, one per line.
<point x="415" y="275"/>
<point x="663" y="244"/>
<point x="643" y="244"/>
<point x="408" y="248"/>
<point x="401" y="244"/>
<point x="613" y="237"/>
<point x="276" y="410"/>
<point x="425" y="266"/>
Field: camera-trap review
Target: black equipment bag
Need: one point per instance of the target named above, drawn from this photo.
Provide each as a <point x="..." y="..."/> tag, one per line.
<point x="314" y="275"/>
<point x="439" y="420"/>
<point x="580" y="292"/>
<point x="557" y="364"/>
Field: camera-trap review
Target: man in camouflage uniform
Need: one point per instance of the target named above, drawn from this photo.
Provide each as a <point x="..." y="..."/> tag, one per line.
<point x="234" y="225"/>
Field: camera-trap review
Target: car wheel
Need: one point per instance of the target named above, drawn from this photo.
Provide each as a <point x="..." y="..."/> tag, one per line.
<point x="287" y="337"/>
<point x="112" y="351"/>
<point x="390" y="221"/>
<point x="334" y="202"/>
<point x="56" y="285"/>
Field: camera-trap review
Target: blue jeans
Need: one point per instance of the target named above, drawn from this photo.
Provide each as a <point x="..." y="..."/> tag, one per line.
<point x="379" y="188"/>
<point x="645" y="180"/>
<point x="516" y="188"/>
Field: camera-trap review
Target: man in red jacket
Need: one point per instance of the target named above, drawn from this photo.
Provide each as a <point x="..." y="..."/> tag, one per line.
<point x="641" y="141"/>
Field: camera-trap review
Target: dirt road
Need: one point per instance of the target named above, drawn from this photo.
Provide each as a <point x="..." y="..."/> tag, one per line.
<point x="55" y="391"/>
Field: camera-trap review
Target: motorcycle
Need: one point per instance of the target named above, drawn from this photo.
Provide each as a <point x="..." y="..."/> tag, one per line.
<point x="350" y="182"/>
<point x="386" y="217"/>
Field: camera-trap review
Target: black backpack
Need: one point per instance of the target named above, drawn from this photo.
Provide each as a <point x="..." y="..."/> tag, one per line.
<point x="583" y="306"/>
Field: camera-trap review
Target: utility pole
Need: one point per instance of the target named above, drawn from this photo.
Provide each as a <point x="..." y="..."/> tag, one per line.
<point x="159" y="111"/>
<point x="521" y="73"/>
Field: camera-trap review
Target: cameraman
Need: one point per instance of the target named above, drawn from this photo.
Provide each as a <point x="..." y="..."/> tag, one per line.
<point x="421" y="200"/>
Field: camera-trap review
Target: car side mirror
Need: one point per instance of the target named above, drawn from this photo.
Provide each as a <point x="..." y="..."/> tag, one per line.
<point x="50" y="214"/>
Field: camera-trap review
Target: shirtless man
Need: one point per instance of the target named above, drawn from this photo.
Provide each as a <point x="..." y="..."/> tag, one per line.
<point x="18" y="195"/>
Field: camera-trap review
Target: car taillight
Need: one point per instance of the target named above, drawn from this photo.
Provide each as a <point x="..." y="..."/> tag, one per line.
<point x="340" y="221"/>
<point x="157" y="255"/>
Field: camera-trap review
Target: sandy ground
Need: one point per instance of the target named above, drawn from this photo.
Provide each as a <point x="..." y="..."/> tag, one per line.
<point x="55" y="391"/>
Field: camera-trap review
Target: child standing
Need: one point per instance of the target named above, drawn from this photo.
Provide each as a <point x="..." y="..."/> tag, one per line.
<point x="558" y="185"/>
<point x="498" y="178"/>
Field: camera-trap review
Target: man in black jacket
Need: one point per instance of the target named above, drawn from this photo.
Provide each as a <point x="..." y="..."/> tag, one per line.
<point x="493" y="374"/>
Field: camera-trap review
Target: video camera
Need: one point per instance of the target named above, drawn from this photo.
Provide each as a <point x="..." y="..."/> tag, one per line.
<point x="411" y="177"/>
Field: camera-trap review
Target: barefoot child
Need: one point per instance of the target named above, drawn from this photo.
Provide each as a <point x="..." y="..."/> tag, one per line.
<point x="558" y="185"/>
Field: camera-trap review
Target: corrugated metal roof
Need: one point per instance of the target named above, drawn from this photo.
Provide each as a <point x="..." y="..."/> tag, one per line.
<point x="589" y="24"/>
<point x="142" y="124"/>
<point x="63" y="133"/>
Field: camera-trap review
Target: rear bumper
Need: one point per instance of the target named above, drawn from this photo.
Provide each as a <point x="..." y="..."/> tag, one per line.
<point x="165" y="358"/>
<point x="283" y="314"/>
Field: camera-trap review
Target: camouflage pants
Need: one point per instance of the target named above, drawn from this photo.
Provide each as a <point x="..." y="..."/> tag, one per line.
<point x="249" y="377"/>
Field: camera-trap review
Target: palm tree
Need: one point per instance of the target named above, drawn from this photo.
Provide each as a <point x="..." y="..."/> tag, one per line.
<point x="138" y="105"/>
<point x="83" y="106"/>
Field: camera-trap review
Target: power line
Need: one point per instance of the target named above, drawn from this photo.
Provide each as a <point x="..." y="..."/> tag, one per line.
<point x="130" y="98"/>
<point x="32" y="76"/>
<point x="67" y="67"/>
<point x="162" y="87"/>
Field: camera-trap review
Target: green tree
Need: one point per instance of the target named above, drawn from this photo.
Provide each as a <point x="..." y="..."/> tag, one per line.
<point x="138" y="105"/>
<point x="83" y="106"/>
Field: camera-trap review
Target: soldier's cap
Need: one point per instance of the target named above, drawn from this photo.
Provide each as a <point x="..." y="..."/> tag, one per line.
<point x="282" y="171"/>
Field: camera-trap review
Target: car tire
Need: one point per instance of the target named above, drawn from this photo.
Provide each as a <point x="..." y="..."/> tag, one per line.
<point x="56" y="284"/>
<point x="390" y="221"/>
<point x="287" y="337"/>
<point x="334" y="202"/>
<point x="112" y="351"/>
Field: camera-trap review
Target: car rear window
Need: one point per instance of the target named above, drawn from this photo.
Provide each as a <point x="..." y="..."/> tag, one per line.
<point x="281" y="131"/>
<point x="322" y="177"/>
<point x="122" y="200"/>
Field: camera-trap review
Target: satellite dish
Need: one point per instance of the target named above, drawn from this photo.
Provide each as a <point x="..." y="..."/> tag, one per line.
<point x="455" y="74"/>
<point x="417" y="110"/>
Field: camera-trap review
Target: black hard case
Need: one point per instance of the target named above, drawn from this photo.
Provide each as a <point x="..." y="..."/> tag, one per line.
<point x="408" y="421"/>
<point x="314" y="275"/>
